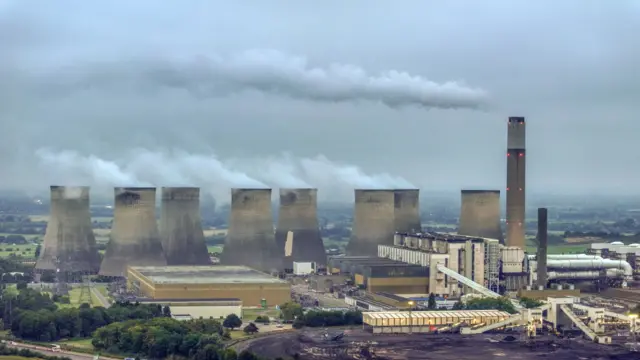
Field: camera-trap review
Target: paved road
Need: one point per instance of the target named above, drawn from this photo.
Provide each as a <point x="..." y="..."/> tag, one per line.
<point x="46" y="351"/>
<point x="100" y="297"/>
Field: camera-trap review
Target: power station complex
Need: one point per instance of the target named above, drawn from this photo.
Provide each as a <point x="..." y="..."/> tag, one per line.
<point x="388" y="257"/>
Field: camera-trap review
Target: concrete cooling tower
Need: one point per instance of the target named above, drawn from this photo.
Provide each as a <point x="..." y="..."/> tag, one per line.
<point x="181" y="227"/>
<point x="251" y="240"/>
<point x="373" y="222"/>
<point x="407" y="210"/>
<point x="480" y="214"/>
<point x="69" y="242"/>
<point x="298" y="222"/>
<point x="135" y="239"/>
<point x="516" y="166"/>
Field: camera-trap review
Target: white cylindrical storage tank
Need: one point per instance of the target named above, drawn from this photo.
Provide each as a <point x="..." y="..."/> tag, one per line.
<point x="558" y="287"/>
<point x="540" y="287"/>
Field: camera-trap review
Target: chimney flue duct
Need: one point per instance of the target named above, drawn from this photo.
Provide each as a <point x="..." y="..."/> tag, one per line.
<point x="298" y="221"/>
<point x="516" y="182"/>
<point x="251" y="239"/>
<point x="69" y="243"/>
<point x="542" y="246"/>
<point x="407" y="210"/>
<point x="181" y="227"/>
<point x="373" y="222"/>
<point x="135" y="239"/>
<point x="480" y="214"/>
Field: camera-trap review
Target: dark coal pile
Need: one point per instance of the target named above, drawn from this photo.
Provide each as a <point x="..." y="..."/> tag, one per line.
<point x="359" y="345"/>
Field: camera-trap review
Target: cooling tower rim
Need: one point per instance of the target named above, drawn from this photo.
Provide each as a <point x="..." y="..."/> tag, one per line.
<point x="406" y="190"/>
<point x="251" y="189"/>
<point x="297" y="189"/>
<point x="179" y="188"/>
<point x="516" y="119"/>
<point x="69" y="187"/>
<point x="133" y="188"/>
<point x="480" y="191"/>
<point x="375" y="190"/>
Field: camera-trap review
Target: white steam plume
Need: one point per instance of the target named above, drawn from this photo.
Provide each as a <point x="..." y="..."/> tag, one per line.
<point x="179" y="168"/>
<point x="273" y="72"/>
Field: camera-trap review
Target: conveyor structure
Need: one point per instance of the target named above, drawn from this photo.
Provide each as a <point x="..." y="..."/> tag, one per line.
<point x="475" y="286"/>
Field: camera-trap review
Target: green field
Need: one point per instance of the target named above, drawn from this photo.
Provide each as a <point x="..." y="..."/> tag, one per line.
<point x="11" y="357"/>
<point x="80" y="343"/>
<point x="561" y="249"/>
<point x="27" y="250"/>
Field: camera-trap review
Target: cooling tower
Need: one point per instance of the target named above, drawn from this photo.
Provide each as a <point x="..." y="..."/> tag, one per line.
<point x="69" y="242"/>
<point x="181" y="227"/>
<point x="480" y="214"/>
<point x="407" y="210"/>
<point x="251" y="240"/>
<point x="298" y="216"/>
<point x="373" y="222"/>
<point x="516" y="182"/>
<point x="135" y="239"/>
<point x="542" y="247"/>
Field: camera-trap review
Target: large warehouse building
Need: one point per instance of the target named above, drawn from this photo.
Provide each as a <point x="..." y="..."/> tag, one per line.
<point x="250" y="286"/>
<point x="379" y="274"/>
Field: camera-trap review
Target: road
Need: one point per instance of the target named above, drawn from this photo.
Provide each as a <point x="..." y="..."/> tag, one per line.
<point x="46" y="351"/>
<point x="100" y="297"/>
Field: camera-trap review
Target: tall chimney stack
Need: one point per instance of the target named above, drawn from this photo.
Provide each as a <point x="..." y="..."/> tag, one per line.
<point x="373" y="222"/>
<point x="69" y="243"/>
<point x="251" y="240"/>
<point x="480" y="214"/>
<point x="135" y="239"/>
<point x="516" y="182"/>
<point x="407" y="210"/>
<point x="181" y="227"/>
<point x="542" y="246"/>
<point x="298" y="221"/>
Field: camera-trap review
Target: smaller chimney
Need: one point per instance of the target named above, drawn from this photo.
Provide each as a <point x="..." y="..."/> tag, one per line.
<point x="542" y="247"/>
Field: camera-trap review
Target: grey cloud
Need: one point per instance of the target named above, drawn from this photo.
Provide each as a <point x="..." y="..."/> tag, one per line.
<point x="267" y="71"/>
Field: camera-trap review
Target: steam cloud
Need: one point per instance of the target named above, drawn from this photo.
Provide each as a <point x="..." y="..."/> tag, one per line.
<point x="179" y="168"/>
<point x="272" y="72"/>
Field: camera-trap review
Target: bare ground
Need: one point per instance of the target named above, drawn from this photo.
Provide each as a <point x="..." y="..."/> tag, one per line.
<point x="357" y="344"/>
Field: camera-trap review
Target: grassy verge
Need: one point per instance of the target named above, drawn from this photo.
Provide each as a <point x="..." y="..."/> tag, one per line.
<point x="249" y="314"/>
<point x="562" y="249"/>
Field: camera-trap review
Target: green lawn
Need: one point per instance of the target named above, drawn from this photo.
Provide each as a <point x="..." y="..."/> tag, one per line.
<point x="249" y="314"/>
<point x="12" y="357"/>
<point x="215" y="248"/>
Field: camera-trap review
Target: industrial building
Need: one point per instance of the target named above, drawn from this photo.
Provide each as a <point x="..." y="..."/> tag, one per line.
<point x="382" y="275"/>
<point x="135" y="239"/>
<point x="516" y="175"/>
<point x="463" y="254"/>
<point x="617" y="250"/>
<point x="251" y="239"/>
<point x="196" y="309"/>
<point x="428" y="321"/>
<point x="69" y="243"/>
<point x="480" y="214"/>
<point x="250" y="286"/>
<point x="298" y="230"/>
<point x="181" y="227"/>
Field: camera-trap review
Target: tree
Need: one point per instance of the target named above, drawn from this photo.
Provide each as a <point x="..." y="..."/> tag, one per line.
<point x="291" y="311"/>
<point x="21" y="285"/>
<point x="37" y="252"/>
<point x="166" y="311"/>
<point x="232" y="321"/>
<point x="431" y="304"/>
<point x="250" y="329"/>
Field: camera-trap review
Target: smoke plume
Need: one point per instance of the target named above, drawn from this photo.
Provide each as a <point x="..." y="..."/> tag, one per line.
<point x="271" y="72"/>
<point x="144" y="167"/>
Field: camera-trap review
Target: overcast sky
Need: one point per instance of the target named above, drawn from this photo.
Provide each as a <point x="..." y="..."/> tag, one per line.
<point x="300" y="93"/>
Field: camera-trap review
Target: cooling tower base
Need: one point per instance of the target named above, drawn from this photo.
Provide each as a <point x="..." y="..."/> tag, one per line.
<point x="118" y="257"/>
<point x="306" y="246"/>
<point x="361" y="248"/>
<point x="256" y="257"/>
